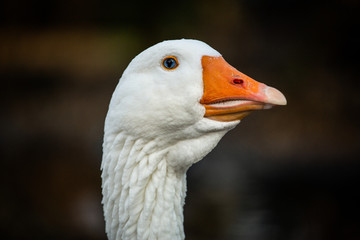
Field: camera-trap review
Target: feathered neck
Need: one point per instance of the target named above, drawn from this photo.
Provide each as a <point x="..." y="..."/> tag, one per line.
<point x="143" y="197"/>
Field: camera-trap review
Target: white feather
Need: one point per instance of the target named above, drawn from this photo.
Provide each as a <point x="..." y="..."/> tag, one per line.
<point x="154" y="131"/>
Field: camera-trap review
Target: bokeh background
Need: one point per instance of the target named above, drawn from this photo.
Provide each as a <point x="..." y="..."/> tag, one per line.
<point x="289" y="173"/>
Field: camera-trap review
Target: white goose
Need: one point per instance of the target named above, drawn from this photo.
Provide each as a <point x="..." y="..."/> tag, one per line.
<point x="173" y="104"/>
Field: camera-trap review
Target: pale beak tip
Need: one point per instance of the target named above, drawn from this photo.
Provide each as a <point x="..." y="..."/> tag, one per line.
<point x="274" y="96"/>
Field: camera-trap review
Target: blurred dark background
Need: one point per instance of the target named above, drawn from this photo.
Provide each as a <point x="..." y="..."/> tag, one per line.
<point x="290" y="173"/>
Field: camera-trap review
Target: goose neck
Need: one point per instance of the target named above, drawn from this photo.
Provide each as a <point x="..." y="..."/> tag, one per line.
<point x="143" y="195"/>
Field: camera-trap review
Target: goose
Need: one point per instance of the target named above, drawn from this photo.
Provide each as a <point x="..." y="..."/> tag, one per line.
<point x="172" y="105"/>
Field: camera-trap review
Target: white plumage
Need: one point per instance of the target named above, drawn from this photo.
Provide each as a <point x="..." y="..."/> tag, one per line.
<point x="159" y="123"/>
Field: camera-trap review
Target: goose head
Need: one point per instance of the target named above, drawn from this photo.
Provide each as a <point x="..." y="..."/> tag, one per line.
<point x="181" y="91"/>
<point x="173" y="104"/>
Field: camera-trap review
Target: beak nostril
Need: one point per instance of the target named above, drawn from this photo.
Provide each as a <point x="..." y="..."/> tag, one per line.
<point x="238" y="81"/>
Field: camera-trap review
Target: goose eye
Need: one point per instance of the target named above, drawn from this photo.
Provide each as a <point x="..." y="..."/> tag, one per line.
<point x="170" y="63"/>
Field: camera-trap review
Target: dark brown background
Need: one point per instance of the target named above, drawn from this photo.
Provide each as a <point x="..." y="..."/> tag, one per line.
<point x="289" y="173"/>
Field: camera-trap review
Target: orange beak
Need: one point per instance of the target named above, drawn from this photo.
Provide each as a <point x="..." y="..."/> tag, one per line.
<point x="230" y="95"/>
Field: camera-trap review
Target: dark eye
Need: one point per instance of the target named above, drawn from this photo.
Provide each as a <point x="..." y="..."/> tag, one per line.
<point x="170" y="63"/>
